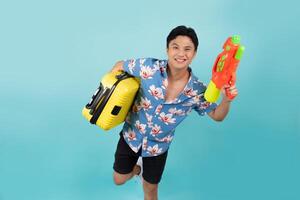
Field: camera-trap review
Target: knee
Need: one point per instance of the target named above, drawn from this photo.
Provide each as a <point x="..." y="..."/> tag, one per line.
<point x="150" y="188"/>
<point x="118" y="179"/>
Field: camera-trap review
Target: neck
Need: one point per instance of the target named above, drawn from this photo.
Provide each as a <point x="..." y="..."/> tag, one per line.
<point x="178" y="75"/>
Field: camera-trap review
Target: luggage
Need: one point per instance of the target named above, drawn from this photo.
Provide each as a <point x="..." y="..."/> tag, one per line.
<point x="112" y="100"/>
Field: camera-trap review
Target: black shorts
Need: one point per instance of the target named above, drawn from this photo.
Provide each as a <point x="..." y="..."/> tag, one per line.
<point x="126" y="158"/>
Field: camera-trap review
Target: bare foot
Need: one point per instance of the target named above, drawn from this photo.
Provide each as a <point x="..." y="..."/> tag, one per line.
<point x="136" y="170"/>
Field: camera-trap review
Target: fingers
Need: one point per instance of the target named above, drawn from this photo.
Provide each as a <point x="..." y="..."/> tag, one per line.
<point x="229" y="88"/>
<point x="232" y="90"/>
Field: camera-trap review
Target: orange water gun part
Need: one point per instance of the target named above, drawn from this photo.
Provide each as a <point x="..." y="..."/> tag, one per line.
<point x="224" y="69"/>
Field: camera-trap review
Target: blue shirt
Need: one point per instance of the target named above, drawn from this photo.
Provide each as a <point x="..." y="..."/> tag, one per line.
<point x="151" y="122"/>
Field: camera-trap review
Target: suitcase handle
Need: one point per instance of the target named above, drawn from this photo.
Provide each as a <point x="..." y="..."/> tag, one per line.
<point x="106" y="96"/>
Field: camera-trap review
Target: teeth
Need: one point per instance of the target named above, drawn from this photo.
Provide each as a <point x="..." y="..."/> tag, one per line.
<point x="180" y="60"/>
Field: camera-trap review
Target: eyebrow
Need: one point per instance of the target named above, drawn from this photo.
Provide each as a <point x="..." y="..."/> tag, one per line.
<point x="175" y="44"/>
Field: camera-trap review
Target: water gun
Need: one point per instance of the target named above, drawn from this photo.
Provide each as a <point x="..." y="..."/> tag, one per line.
<point x="224" y="69"/>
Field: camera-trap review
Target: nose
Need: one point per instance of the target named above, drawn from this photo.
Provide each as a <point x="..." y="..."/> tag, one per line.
<point x="181" y="53"/>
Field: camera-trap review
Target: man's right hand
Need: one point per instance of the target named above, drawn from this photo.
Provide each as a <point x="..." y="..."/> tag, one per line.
<point x="118" y="67"/>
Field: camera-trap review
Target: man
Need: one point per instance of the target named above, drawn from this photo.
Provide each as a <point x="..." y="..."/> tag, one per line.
<point x="169" y="91"/>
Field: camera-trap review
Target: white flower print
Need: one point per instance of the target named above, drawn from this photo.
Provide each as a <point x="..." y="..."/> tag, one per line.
<point x="162" y="68"/>
<point x="196" y="99"/>
<point x="145" y="103"/>
<point x="156" y="130"/>
<point x="142" y="60"/>
<point x="145" y="143"/>
<point x="135" y="149"/>
<point x="204" y="105"/>
<point x="189" y="92"/>
<point x="131" y="65"/>
<point x="178" y="112"/>
<point x="189" y="103"/>
<point x="173" y="101"/>
<point x="130" y="135"/>
<point x="189" y="110"/>
<point x="146" y="72"/>
<point x="165" y="83"/>
<point x="167" y="139"/>
<point x="156" y="92"/>
<point x="149" y="120"/>
<point x="167" y="118"/>
<point x="156" y="66"/>
<point x="154" y="150"/>
<point x="158" y="109"/>
<point x="140" y="127"/>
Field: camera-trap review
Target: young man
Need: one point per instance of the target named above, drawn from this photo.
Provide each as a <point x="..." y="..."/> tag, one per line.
<point x="169" y="91"/>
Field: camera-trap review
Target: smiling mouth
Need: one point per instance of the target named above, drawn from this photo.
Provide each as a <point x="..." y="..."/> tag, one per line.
<point x="180" y="60"/>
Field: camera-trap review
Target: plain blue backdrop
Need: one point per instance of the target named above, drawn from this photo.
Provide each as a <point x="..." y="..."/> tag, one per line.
<point x="54" y="53"/>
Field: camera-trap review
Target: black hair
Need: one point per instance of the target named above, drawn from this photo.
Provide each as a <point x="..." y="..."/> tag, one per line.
<point x="183" y="31"/>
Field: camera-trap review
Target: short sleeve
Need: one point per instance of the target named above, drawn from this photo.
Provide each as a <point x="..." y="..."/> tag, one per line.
<point x="141" y="67"/>
<point x="204" y="107"/>
<point x="133" y="66"/>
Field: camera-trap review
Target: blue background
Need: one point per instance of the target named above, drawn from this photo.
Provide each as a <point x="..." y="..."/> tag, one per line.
<point x="53" y="54"/>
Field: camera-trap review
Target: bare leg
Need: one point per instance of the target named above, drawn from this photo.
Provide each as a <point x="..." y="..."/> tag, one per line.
<point x="120" y="179"/>
<point x="150" y="191"/>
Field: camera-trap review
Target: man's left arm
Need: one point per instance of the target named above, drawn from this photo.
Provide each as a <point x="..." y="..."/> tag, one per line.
<point x="222" y="109"/>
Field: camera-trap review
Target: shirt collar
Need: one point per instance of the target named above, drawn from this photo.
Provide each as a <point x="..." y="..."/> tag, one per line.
<point x="187" y="91"/>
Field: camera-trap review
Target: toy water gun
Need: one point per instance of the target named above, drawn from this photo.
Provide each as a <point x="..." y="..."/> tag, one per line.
<point x="224" y="69"/>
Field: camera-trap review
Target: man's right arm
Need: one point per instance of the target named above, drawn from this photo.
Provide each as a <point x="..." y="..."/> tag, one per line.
<point x="118" y="67"/>
<point x="132" y="66"/>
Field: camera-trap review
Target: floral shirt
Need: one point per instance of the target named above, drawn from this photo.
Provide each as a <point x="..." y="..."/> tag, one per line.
<point x="151" y="122"/>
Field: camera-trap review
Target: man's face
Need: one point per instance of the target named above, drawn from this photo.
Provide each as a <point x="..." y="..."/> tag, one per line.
<point x="181" y="52"/>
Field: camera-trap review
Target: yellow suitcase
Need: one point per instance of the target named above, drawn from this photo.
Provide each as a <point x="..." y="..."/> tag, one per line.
<point x="112" y="100"/>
